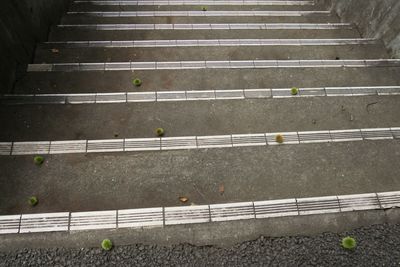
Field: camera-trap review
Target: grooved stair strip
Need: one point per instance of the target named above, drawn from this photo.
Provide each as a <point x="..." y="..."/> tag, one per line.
<point x="212" y="43"/>
<point x="226" y="64"/>
<point x="195" y="2"/>
<point x="171" y="96"/>
<point x="196" y="142"/>
<point x="183" y="215"/>
<point x="199" y="13"/>
<point x="210" y="26"/>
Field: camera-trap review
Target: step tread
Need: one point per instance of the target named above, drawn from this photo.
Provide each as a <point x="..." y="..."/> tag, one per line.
<point x="242" y="32"/>
<point x="221" y="51"/>
<point x="177" y="80"/>
<point x="339" y="170"/>
<point x="139" y="120"/>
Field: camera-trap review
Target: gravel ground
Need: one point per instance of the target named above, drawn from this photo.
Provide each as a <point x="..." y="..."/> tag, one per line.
<point x="378" y="245"/>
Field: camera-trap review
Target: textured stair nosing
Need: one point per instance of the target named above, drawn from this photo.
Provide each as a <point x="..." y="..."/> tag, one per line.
<point x="212" y="42"/>
<point x="124" y="14"/>
<point x="227" y="64"/>
<point x="170" y="96"/>
<point x="197" y="2"/>
<point x="183" y="215"/>
<point x="210" y="26"/>
<point x="196" y="142"/>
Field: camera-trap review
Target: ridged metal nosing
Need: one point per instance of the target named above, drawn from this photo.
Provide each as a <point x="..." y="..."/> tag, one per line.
<point x="137" y="218"/>
<point x="228" y="64"/>
<point x="93" y="220"/>
<point x="196" y="2"/>
<point x="131" y="97"/>
<point x="165" y="216"/>
<point x="124" y="14"/>
<point x="212" y="26"/>
<point x="47" y="222"/>
<point x="9" y="224"/>
<point x="198" y="142"/>
<point x="187" y="215"/>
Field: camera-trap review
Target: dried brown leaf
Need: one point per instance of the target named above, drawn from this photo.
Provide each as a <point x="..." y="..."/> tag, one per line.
<point x="221" y="189"/>
<point x="183" y="199"/>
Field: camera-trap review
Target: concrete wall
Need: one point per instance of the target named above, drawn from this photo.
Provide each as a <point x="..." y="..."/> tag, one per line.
<point x="374" y="18"/>
<point x="23" y="23"/>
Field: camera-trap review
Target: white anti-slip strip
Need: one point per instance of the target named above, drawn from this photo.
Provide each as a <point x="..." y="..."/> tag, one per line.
<point x="196" y="2"/>
<point x="212" y="26"/>
<point x="162" y="96"/>
<point x="163" y="217"/>
<point x="212" y="42"/>
<point x="240" y="13"/>
<point x="228" y="64"/>
<point x="195" y="142"/>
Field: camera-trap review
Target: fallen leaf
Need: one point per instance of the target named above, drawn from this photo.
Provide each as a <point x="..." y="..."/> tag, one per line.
<point x="183" y="199"/>
<point x="221" y="189"/>
<point x="55" y="50"/>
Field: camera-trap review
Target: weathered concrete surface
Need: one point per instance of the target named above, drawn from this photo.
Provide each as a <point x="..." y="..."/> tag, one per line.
<point x="76" y="34"/>
<point x="161" y="80"/>
<point x="278" y="52"/>
<point x="91" y="7"/>
<point x="107" y="181"/>
<point x="188" y="118"/>
<point x="374" y="18"/>
<point x="87" y="19"/>
<point x="22" y="24"/>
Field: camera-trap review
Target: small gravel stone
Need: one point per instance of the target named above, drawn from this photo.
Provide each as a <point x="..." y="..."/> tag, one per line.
<point x="377" y="245"/>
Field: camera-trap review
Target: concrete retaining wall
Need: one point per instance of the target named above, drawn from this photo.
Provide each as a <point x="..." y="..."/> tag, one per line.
<point x="23" y="23"/>
<point x="374" y="18"/>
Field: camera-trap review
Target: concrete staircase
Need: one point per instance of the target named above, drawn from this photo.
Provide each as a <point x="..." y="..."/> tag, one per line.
<point x="241" y="58"/>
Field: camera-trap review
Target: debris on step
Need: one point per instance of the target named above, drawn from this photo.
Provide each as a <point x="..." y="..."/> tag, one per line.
<point x="221" y="189"/>
<point x="369" y="105"/>
<point x="183" y="199"/>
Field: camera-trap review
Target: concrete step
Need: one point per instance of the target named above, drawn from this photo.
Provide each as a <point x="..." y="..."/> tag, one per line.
<point x="172" y="80"/>
<point x="107" y="32"/>
<point x="45" y="53"/>
<point x="139" y="120"/>
<point x="80" y="182"/>
<point x="174" y="17"/>
<point x="231" y="137"/>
